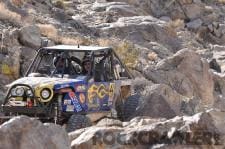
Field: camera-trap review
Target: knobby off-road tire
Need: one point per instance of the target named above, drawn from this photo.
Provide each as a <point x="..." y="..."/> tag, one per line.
<point x="129" y="107"/>
<point x="77" y="121"/>
<point x="126" y="110"/>
<point x="119" y="109"/>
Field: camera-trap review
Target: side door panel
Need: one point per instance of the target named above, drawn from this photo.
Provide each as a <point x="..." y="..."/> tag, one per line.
<point x="100" y="96"/>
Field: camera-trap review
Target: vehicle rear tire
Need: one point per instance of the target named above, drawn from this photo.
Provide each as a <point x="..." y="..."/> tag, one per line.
<point x="119" y="109"/>
<point x="129" y="107"/>
<point x="77" y="121"/>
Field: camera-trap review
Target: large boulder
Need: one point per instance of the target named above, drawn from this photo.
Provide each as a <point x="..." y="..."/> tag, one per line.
<point x="30" y="36"/>
<point x="119" y="8"/>
<point x="206" y="128"/>
<point x="160" y="100"/>
<point x="186" y="73"/>
<point x="25" y="133"/>
<point x="185" y="9"/>
<point x="141" y="30"/>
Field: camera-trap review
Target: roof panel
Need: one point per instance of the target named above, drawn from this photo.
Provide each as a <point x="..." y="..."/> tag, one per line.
<point x="76" y="48"/>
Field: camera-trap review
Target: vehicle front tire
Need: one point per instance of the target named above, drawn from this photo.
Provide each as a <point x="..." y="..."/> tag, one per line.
<point x="77" y="121"/>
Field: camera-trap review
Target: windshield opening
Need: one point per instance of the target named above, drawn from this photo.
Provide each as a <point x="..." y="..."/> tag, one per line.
<point x="62" y="64"/>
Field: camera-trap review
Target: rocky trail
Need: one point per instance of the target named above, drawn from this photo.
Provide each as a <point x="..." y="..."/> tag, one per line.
<point x="176" y="48"/>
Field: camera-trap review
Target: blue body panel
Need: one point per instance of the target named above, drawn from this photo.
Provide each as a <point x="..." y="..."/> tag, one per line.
<point x="87" y="97"/>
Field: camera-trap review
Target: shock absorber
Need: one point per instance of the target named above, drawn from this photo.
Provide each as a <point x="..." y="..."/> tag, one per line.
<point x="55" y="113"/>
<point x="58" y="109"/>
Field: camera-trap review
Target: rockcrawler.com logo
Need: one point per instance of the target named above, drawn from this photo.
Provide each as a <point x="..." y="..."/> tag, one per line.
<point x="153" y="137"/>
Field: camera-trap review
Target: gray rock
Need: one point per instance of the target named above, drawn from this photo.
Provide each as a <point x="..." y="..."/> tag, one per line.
<point x="218" y="48"/>
<point x="142" y="30"/>
<point x="122" y="10"/>
<point x="161" y="50"/>
<point x="186" y="73"/>
<point x="60" y="15"/>
<point x="27" y="55"/>
<point x="210" y="27"/>
<point x="219" y="56"/>
<point x="109" y="122"/>
<point x="30" y="36"/>
<point x="1" y="57"/>
<point x="162" y="101"/>
<point x="101" y="1"/>
<point x="99" y="7"/>
<point x="214" y="65"/>
<point x="194" y="11"/>
<point x="1" y="96"/>
<point x="25" y="133"/>
<point x="165" y="18"/>
<point x="195" y="24"/>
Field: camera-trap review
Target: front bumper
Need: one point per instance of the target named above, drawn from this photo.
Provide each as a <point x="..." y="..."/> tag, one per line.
<point x="8" y="95"/>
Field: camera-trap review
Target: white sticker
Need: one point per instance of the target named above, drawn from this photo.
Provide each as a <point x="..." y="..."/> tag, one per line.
<point x="69" y="108"/>
<point x="67" y="102"/>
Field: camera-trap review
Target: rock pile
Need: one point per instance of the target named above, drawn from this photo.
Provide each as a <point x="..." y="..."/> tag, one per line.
<point x="203" y="129"/>
<point x="180" y="54"/>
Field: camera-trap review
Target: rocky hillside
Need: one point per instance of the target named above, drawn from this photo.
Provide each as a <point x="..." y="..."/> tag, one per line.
<point x="175" y="47"/>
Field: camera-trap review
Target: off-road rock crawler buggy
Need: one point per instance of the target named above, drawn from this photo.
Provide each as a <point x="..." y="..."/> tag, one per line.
<point x="56" y="88"/>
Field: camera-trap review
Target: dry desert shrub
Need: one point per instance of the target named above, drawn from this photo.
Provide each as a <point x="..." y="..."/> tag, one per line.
<point x="152" y="56"/>
<point x="7" y="15"/>
<point x="173" y="25"/>
<point x="18" y="3"/>
<point x="51" y="32"/>
<point x="104" y="42"/>
<point x="48" y="30"/>
<point x="126" y="50"/>
<point x="59" y="4"/>
<point x="221" y="1"/>
<point x="74" y="40"/>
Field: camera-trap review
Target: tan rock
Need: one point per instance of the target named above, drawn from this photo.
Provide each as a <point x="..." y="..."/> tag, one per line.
<point x="25" y="133"/>
<point x="205" y="128"/>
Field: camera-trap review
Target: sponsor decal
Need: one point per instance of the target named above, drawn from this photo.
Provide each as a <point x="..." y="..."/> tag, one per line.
<point x="80" y="88"/>
<point x="82" y="98"/>
<point x="67" y="102"/>
<point x="64" y="85"/>
<point x="111" y="89"/>
<point x="70" y="108"/>
<point x="75" y="102"/>
<point x="100" y="91"/>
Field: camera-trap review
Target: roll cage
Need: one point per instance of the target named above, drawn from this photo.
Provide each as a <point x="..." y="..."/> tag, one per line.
<point x="103" y="61"/>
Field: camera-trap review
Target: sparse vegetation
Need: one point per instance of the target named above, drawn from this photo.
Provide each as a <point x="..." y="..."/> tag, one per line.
<point x="18" y="3"/>
<point x="59" y="4"/>
<point x="173" y="25"/>
<point x="74" y="40"/>
<point x="8" y="15"/>
<point x="51" y="32"/>
<point x="48" y="30"/>
<point x="152" y="56"/>
<point x="221" y="1"/>
<point x="127" y="51"/>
